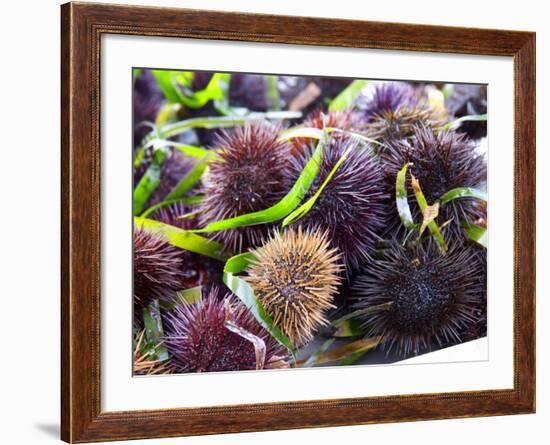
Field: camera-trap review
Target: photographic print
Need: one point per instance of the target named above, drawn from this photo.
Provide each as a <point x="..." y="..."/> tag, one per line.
<point x="286" y="221"/>
<point x="289" y="229"/>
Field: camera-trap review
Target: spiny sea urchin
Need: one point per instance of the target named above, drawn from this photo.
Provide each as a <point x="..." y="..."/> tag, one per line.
<point x="386" y="97"/>
<point x="353" y="206"/>
<point x="318" y="119"/>
<point x="295" y="276"/>
<point x="441" y="161"/>
<point x="157" y="268"/>
<point x="218" y="333"/>
<point x="249" y="175"/>
<point x="418" y="298"/>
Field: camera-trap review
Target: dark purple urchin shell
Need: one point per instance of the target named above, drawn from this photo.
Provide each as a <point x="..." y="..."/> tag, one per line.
<point x="353" y="206"/>
<point x="198" y="338"/>
<point x="441" y="161"/>
<point x="196" y="270"/>
<point x="318" y="119"/>
<point x="157" y="268"/>
<point x="251" y="174"/>
<point x="147" y="100"/>
<point x="419" y="299"/>
<point x="386" y="97"/>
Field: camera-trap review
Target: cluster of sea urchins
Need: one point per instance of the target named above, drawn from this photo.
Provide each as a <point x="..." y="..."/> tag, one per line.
<point x="295" y="276"/>
<point x="348" y="252"/>
<point x="218" y="333"/>
<point x="417" y="298"/>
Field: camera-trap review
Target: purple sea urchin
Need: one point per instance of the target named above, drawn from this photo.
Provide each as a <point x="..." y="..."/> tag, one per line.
<point x="441" y="161"/>
<point x="250" y="175"/>
<point x="417" y="298"/>
<point x="386" y="97"/>
<point x="157" y="268"/>
<point x="353" y="206"/>
<point x="295" y="275"/>
<point x="218" y="333"/>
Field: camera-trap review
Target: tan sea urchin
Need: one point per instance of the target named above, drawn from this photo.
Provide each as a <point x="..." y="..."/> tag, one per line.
<point x="295" y="275"/>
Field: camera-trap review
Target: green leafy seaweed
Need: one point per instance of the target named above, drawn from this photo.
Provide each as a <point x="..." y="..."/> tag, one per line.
<point x="312" y="360"/>
<point x="183" y="239"/>
<point x="476" y="233"/>
<point x="191" y="295"/>
<point x="432" y="225"/>
<point x="148" y="182"/>
<point x="462" y="192"/>
<point x="346" y="97"/>
<point x="453" y="125"/>
<point x="401" y="201"/>
<point x="154" y="331"/>
<point x="190" y="200"/>
<point x="301" y="211"/>
<point x="188" y="181"/>
<point x="272" y="92"/>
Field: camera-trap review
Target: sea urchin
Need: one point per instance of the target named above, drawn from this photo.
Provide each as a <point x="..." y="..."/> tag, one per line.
<point x="386" y="97"/>
<point x="157" y="268"/>
<point x="217" y="333"/>
<point x="249" y="175"/>
<point x="352" y="207"/>
<point x="441" y="161"/>
<point x="295" y="276"/>
<point x="417" y="298"/>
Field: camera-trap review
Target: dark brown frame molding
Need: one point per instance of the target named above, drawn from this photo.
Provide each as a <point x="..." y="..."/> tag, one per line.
<point x="82" y="25"/>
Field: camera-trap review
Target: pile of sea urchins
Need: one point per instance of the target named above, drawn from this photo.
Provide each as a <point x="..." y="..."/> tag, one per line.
<point x="348" y="257"/>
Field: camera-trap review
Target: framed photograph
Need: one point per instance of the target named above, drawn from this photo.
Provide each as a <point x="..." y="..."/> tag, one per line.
<point x="275" y="222"/>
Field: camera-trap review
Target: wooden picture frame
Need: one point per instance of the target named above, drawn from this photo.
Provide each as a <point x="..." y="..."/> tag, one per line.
<point x="82" y="26"/>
